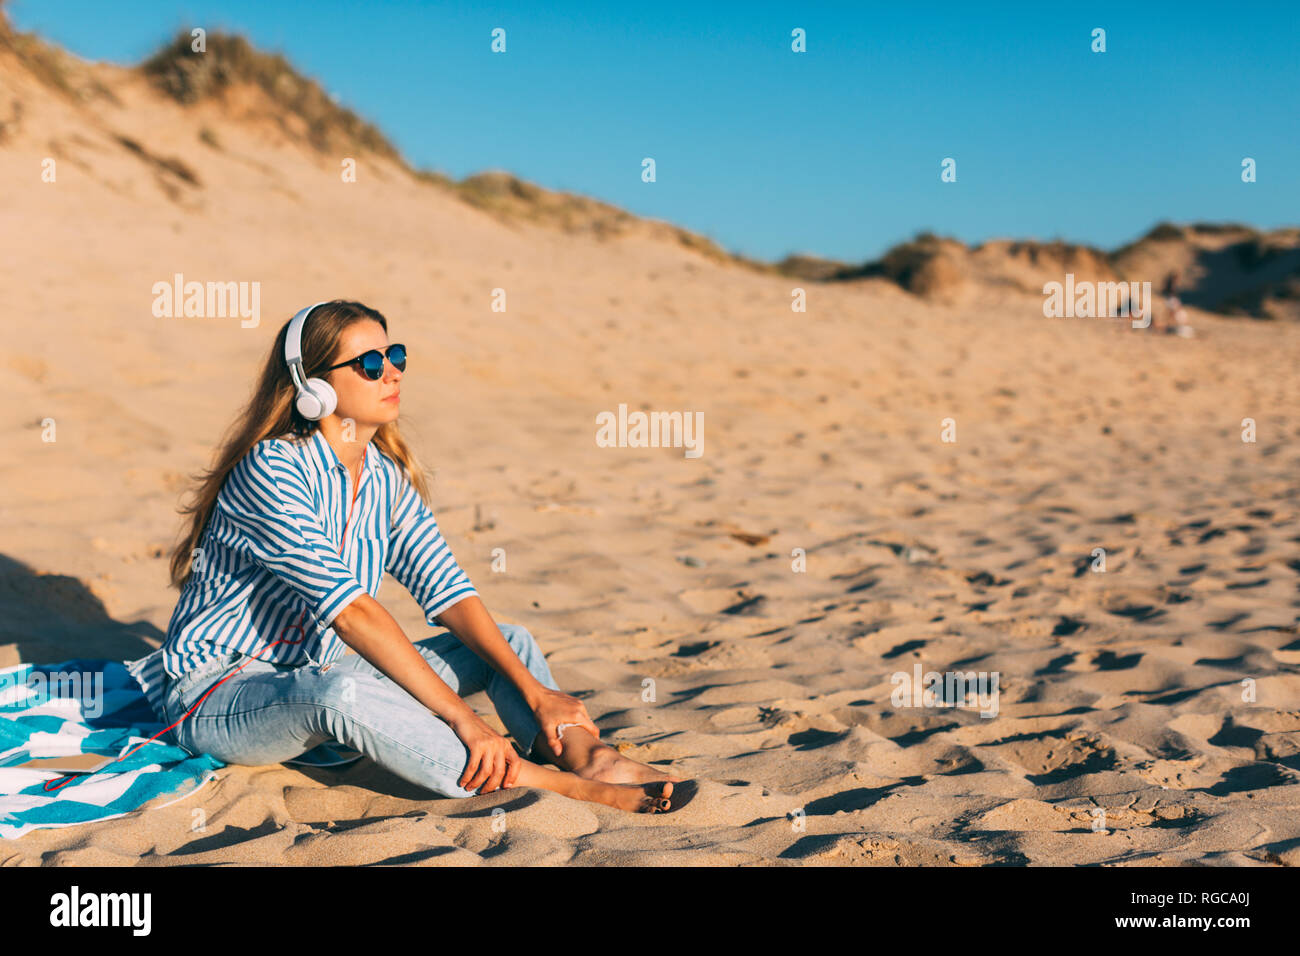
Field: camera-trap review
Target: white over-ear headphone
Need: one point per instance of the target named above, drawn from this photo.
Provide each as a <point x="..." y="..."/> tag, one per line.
<point x="316" y="397"/>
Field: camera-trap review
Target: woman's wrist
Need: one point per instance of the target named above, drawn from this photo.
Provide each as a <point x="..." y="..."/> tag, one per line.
<point x="461" y="718"/>
<point x="533" y="691"/>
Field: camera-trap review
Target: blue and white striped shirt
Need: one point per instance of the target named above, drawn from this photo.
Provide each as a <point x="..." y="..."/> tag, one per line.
<point x="270" y="558"/>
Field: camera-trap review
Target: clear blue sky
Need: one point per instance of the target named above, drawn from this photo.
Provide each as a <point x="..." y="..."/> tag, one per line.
<point x="835" y="151"/>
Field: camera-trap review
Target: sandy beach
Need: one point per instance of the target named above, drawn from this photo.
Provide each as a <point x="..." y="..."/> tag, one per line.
<point x="737" y="617"/>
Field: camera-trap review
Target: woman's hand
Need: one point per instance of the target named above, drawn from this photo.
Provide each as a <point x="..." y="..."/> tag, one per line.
<point x="554" y="708"/>
<point x="493" y="763"/>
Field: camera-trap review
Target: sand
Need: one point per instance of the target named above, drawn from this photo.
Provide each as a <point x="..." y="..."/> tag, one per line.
<point x="1120" y="692"/>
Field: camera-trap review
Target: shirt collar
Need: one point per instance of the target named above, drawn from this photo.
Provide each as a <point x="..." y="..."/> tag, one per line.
<point x="326" y="453"/>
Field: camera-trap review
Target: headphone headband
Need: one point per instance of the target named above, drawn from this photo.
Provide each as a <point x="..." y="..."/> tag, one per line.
<point x="293" y="338"/>
<point x="315" y="397"/>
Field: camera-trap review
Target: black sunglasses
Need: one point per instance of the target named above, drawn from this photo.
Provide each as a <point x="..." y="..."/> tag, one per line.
<point x="371" y="364"/>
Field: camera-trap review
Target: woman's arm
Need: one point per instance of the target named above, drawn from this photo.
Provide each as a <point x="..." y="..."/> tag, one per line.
<point x="419" y="558"/>
<point x="470" y="621"/>
<point x="366" y="627"/>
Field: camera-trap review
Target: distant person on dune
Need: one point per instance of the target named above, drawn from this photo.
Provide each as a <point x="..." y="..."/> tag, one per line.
<point x="314" y="496"/>
<point x="1175" y="314"/>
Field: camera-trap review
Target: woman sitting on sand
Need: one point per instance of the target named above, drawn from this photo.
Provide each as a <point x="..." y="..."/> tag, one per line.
<point x="314" y="497"/>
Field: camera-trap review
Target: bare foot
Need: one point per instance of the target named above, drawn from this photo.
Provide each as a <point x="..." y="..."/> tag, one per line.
<point x="632" y="797"/>
<point x="610" y="766"/>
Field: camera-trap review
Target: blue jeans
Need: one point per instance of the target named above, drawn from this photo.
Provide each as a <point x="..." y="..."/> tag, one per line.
<point x="267" y="713"/>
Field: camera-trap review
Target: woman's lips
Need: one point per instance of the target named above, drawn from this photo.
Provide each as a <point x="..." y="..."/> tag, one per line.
<point x="394" y="397"/>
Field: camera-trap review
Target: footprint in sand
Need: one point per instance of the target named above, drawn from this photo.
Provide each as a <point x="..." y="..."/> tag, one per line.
<point x="1050" y="757"/>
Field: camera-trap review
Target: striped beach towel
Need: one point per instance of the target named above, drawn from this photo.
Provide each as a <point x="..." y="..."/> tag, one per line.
<point x="85" y="706"/>
<point x="107" y="707"/>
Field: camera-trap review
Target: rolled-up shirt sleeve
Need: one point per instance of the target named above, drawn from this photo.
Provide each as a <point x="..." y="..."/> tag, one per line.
<point x="267" y="499"/>
<point x="420" y="559"/>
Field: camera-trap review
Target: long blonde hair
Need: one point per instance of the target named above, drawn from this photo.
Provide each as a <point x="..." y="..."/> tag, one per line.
<point x="271" y="413"/>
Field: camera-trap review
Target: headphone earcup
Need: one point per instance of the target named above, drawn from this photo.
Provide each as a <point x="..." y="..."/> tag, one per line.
<point x="317" y="400"/>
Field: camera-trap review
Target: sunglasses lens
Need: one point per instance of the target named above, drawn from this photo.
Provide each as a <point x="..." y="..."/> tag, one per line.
<point x="372" y="363"/>
<point x="397" y="355"/>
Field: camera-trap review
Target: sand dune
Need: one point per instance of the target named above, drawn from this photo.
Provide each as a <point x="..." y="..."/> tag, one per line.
<point x="1119" y="691"/>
